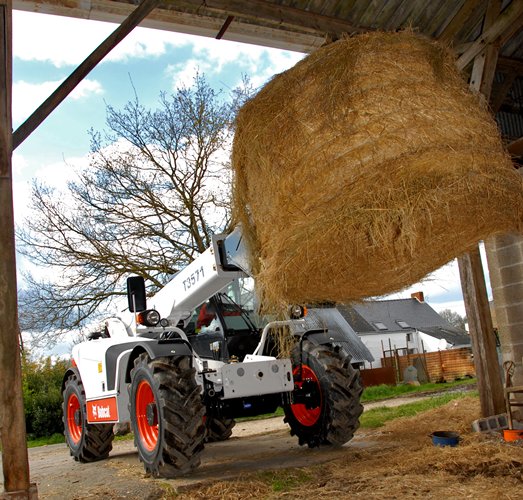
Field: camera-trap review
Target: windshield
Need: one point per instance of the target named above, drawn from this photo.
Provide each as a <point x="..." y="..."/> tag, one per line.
<point x="239" y="306"/>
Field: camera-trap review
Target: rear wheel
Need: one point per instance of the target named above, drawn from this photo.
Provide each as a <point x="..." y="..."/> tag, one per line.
<point x="218" y="429"/>
<point x="166" y="415"/>
<point x="87" y="442"/>
<point x="327" y="396"/>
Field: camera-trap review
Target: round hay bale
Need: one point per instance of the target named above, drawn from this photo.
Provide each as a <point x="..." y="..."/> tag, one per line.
<point x="365" y="167"/>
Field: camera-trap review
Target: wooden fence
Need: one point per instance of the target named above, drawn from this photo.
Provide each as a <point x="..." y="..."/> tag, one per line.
<point x="436" y="366"/>
<point x="378" y="376"/>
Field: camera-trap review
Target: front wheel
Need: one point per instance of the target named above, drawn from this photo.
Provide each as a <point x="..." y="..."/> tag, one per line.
<point x="166" y="415"/>
<point x="327" y="406"/>
<point x="87" y="442"/>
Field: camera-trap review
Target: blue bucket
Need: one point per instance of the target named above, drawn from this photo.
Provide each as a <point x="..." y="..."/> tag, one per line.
<point x="445" y="438"/>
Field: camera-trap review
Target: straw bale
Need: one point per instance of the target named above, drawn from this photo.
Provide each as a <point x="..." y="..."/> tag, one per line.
<point x="365" y="167"/>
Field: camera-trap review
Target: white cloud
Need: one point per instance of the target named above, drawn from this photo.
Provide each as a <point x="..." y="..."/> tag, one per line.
<point x="19" y="164"/>
<point x="86" y="88"/>
<point x="443" y="282"/>
<point x="60" y="40"/>
<point x="65" y="41"/>
<point x="55" y="175"/>
<point x="72" y="40"/>
<point x="28" y="96"/>
<point x="58" y="174"/>
<point x="457" y="306"/>
<point x="182" y="74"/>
<point x="210" y="56"/>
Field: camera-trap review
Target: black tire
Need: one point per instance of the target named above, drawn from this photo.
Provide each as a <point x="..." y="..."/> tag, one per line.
<point x="332" y="415"/>
<point x="166" y="415"/>
<point x="218" y="429"/>
<point x="87" y="442"/>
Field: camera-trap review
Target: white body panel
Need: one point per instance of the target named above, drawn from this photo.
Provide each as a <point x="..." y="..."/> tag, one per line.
<point x="90" y="359"/>
<point x="253" y="378"/>
<point x="192" y="286"/>
<point x="176" y="301"/>
<point x="256" y="376"/>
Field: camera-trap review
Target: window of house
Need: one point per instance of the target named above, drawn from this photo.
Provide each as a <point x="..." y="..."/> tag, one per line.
<point x="403" y="324"/>
<point x="380" y="326"/>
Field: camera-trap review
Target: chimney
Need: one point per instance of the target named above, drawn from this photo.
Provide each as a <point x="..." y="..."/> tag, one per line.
<point x="418" y="296"/>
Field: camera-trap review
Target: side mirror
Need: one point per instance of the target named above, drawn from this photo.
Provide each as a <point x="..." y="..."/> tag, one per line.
<point x="136" y="294"/>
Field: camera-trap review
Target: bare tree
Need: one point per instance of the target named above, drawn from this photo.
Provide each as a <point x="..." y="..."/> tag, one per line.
<point x="454" y="319"/>
<point x="156" y="189"/>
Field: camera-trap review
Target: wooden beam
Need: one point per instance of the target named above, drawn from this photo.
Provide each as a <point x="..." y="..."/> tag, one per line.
<point x="69" y="84"/>
<point x="492" y="13"/>
<point x="482" y="333"/>
<point x="282" y="14"/>
<point x="15" y="462"/>
<point x="473" y="278"/>
<point x="457" y="22"/>
<point x="489" y="64"/>
<point x="296" y="39"/>
<point x="508" y="21"/>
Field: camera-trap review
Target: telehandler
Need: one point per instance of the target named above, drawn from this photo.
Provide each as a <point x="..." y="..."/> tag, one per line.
<point x="182" y="365"/>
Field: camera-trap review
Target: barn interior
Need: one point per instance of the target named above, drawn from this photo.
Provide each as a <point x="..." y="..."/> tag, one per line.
<point x="487" y="37"/>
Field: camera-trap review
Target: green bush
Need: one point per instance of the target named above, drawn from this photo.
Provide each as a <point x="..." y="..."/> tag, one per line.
<point x="41" y="381"/>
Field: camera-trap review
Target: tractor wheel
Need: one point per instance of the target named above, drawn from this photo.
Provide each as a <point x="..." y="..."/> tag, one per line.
<point x="331" y="411"/>
<point x="87" y="442"/>
<point x="166" y="415"/>
<point x="218" y="429"/>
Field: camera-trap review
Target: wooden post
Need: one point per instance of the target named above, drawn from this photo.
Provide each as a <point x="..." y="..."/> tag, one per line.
<point x="425" y="361"/>
<point x="470" y="268"/>
<point x="482" y="333"/>
<point x="399" y="375"/>
<point x="12" y="420"/>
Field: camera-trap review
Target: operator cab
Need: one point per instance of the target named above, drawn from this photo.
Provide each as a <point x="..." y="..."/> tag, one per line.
<point x="226" y="326"/>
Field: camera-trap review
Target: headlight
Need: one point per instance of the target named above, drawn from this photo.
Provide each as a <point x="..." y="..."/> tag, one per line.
<point x="148" y="318"/>
<point x="297" y="312"/>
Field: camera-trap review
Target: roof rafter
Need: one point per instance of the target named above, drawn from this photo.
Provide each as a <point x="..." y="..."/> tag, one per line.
<point x="457" y="22"/>
<point x="508" y="22"/>
<point x="282" y="14"/>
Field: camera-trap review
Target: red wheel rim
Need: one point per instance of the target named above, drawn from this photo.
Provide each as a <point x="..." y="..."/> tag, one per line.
<point x="75" y="430"/>
<point x="148" y="433"/>
<point x="306" y="416"/>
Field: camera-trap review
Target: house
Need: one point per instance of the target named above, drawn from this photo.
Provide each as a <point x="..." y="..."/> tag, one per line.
<point x="401" y="327"/>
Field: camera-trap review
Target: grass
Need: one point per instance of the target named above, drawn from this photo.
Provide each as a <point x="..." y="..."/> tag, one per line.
<point x="284" y="480"/>
<point x="381" y="392"/>
<point x="377" y="417"/>
<point x="369" y="419"/>
<point x="60" y="438"/>
<point x="378" y="392"/>
<point x="43" y="441"/>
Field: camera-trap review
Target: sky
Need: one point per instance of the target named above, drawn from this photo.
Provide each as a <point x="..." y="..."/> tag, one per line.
<point x="46" y="49"/>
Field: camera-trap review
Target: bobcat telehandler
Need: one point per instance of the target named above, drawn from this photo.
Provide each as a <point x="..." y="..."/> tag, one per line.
<point x="183" y="366"/>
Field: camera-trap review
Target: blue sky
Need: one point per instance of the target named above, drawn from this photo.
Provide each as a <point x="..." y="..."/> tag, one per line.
<point x="46" y="49"/>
